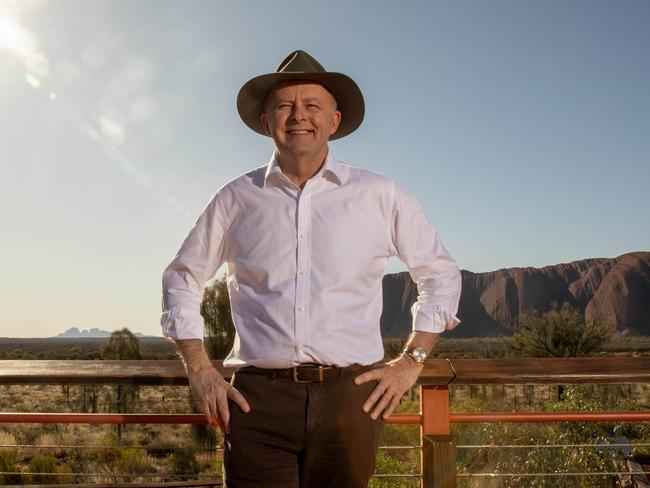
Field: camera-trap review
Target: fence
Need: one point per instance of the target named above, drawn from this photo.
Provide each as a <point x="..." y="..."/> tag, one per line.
<point x="437" y="446"/>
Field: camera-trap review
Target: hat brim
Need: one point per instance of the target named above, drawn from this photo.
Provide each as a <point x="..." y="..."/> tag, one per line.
<point x="349" y="99"/>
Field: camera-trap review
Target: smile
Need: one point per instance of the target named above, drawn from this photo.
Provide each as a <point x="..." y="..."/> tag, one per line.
<point x="299" y="132"/>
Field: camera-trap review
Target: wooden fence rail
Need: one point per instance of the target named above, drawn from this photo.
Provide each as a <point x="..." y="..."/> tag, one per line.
<point x="441" y="372"/>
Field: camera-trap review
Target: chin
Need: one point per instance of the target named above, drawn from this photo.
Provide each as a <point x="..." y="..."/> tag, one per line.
<point x="300" y="149"/>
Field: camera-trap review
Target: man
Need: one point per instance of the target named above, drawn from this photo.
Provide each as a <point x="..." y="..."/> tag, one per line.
<point x="306" y="238"/>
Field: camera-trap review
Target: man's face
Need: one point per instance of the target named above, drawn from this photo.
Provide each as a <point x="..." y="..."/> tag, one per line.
<point x="300" y="116"/>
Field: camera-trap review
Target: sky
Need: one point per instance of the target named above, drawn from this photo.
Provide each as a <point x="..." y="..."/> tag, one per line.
<point x="523" y="128"/>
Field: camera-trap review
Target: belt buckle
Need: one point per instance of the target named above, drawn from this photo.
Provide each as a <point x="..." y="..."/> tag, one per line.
<point x="298" y="380"/>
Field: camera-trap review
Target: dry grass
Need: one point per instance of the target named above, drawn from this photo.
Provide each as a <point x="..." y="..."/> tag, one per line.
<point x="101" y="451"/>
<point x="7" y="438"/>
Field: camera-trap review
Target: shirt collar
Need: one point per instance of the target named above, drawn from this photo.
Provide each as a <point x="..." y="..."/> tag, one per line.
<point x="332" y="169"/>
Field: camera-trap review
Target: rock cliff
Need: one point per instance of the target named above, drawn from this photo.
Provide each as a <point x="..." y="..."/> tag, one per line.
<point x="616" y="290"/>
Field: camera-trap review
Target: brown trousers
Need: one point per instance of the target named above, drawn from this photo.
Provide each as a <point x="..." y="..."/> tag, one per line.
<point x="300" y="435"/>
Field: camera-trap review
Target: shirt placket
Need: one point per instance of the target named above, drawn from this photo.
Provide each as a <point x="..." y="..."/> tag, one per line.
<point x="303" y="260"/>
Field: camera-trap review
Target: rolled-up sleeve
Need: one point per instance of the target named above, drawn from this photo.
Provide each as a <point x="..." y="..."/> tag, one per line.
<point x="198" y="259"/>
<point x="434" y="271"/>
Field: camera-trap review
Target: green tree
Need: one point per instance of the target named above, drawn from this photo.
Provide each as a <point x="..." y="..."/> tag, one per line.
<point x="122" y="345"/>
<point x="219" y="328"/>
<point x="561" y="332"/>
<point x="74" y="353"/>
<point x="219" y="332"/>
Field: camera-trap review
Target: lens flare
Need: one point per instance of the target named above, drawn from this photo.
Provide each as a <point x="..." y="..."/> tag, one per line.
<point x="32" y="81"/>
<point x="20" y="44"/>
<point x="106" y="127"/>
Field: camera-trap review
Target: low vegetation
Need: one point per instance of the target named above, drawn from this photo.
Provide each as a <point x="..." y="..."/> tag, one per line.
<point x="81" y="348"/>
<point x="50" y="453"/>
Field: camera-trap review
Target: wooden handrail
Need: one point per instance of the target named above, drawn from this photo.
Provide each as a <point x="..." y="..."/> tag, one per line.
<point x="570" y="371"/>
<point x="436" y="372"/>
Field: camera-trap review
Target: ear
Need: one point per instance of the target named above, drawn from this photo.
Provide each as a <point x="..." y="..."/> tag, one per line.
<point x="336" y="121"/>
<point x="265" y="123"/>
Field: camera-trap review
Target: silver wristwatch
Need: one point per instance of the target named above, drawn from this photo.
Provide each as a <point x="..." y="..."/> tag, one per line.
<point x="419" y="354"/>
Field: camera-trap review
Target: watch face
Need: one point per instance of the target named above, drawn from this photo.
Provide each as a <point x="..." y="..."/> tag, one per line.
<point x="419" y="354"/>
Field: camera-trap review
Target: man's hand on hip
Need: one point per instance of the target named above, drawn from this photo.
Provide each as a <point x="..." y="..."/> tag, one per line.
<point x="394" y="379"/>
<point x="212" y="393"/>
<point x="209" y="387"/>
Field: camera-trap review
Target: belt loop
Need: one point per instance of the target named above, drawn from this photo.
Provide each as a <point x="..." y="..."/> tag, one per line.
<point x="320" y="374"/>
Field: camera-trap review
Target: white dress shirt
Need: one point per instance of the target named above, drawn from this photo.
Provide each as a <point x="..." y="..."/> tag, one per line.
<point x="305" y="266"/>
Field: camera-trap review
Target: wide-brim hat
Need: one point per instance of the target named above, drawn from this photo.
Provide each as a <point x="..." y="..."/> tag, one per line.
<point x="301" y="66"/>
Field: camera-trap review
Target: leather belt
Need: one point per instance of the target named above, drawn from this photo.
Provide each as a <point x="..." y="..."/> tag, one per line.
<point x="307" y="373"/>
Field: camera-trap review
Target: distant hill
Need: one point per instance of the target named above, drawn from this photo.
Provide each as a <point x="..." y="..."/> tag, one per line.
<point x="616" y="290"/>
<point x="75" y="333"/>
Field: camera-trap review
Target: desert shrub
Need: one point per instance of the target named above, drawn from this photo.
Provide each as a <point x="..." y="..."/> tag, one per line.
<point x="400" y="435"/>
<point x="8" y="463"/>
<point x="105" y="455"/>
<point x="541" y="460"/>
<point x="183" y="462"/>
<point x="216" y="467"/>
<point x="75" y="462"/>
<point x="134" y="461"/>
<point x="387" y="464"/>
<point x="105" y="452"/>
<point x="29" y="433"/>
<point x="561" y="332"/>
<point x="40" y="465"/>
<point x="160" y="448"/>
<point x="50" y="440"/>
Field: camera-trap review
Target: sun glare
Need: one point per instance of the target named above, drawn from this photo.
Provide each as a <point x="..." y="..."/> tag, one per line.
<point x="101" y="123"/>
<point x="13" y="37"/>
<point x="21" y="44"/>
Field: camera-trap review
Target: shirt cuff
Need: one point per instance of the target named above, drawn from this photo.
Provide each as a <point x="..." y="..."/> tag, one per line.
<point x="182" y="324"/>
<point x="434" y="319"/>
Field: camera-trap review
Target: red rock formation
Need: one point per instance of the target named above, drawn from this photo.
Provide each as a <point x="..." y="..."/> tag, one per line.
<point x="615" y="290"/>
<point x="623" y="297"/>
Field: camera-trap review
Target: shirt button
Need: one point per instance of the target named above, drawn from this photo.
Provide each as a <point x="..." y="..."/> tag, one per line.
<point x="303" y="235"/>
<point x="301" y="308"/>
<point x="301" y="348"/>
<point x="301" y="272"/>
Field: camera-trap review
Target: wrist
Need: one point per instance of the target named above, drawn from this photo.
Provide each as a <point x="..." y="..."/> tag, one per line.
<point x="192" y="370"/>
<point x="198" y="366"/>
<point x="195" y="357"/>
<point x="408" y="361"/>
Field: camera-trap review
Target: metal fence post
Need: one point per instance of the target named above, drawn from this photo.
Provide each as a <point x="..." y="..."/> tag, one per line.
<point x="438" y="454"/>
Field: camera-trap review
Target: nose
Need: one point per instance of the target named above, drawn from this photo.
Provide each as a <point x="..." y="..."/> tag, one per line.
<point x="298" y="112"/>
